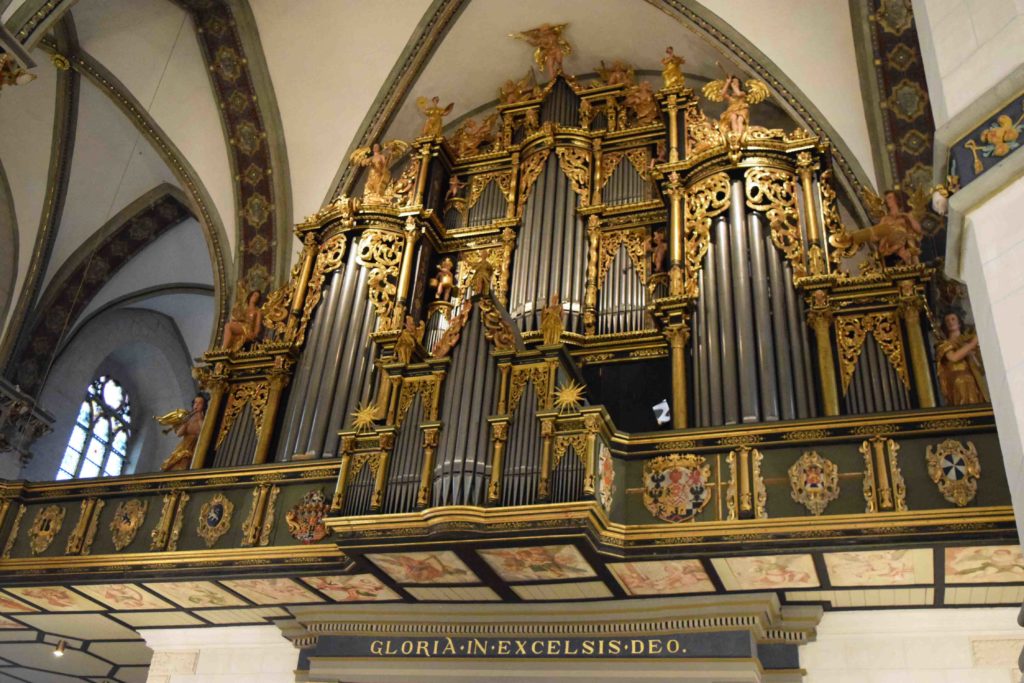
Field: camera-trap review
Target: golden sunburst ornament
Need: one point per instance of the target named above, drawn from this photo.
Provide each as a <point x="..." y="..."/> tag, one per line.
<point x="569" y="397"/>
<point x="363" y="417"/>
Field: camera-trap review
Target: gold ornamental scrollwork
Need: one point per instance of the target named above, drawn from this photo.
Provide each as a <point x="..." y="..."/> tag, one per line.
<point x="425" y="387"/>
<point x="884" y="486"/>
<point x="842" y="246"/>
<point x="538" y="375"/>
<point x="469" y="262"/>
<point x="380" y="252"/>
<point x="746" y="494"/>
<point x="215" y="519"/>
<point x="575" y="164"/>
<point x="704" y="200"/>
<point x="45" y="527"/>
<point x="128" y="518"/>
<point x="253" y="393"/>
<point x="330" y="258"/>
<point x="814" y="482"/>
<point x="955" y="468"/>
<point x="503" y="179"/>
<point x="635" y="241"/>
<point x="529" y="172"/>
<point x="497" y="328"/>
<point x="774" y="193"/>
<point x="563" y="442"/>
<point x="851" y="332"/>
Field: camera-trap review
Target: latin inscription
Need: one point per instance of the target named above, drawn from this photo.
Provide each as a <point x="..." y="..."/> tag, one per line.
<point x="668" y="646"/>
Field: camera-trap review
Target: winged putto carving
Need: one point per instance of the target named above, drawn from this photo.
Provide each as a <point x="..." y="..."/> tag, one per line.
<point x="379" y="159"/>
<point x="736" y="117"/>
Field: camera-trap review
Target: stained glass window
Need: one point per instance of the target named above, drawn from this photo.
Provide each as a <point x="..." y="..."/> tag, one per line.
<point x="99" y="441"/>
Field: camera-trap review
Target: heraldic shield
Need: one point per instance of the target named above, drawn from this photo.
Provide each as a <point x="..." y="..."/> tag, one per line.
<point x="676" y="486"/>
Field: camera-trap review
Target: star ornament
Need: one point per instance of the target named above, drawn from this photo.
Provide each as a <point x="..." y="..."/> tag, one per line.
<point x="363" y="417"/>
<point x="569" y="397"/>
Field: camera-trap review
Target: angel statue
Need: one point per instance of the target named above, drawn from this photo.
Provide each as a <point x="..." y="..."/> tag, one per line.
<point x="186" y="424"/>
<point x="552" y="48"/>
<point x="443" y="281"/>
<point x="434" y="112"/>
<point x="619" y="73"/>
<point x="472" y="135"/>
<point x="514" y="91"/>
<point x="640" y="99"/>
<point x="379" y="159"/>
<point x="671" y="70"/>
<point x="961" y="375"/>
<point x="897" y="231"/>
<point x="246" y="322"/>
<point x="736" y="117"/>
<point x="551" y="323"/>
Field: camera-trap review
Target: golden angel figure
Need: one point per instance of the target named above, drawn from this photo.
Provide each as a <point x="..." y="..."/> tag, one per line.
<point x="896" y="231"/>
<point x="552" y="48"/>
<point x="736" y="117"/>
<point x="471" y="136"/>
<point x="517" y="91"/>
<point x="671" y="70"/>
<point x="961" y="374"/>
<point x="619" y="73"/>
<point x="186" y="424"/>
<point x="246" y="323"/>
<point x="435" y="114"/>
<point x="551" y="324"/>
<point x="379" y="159"/>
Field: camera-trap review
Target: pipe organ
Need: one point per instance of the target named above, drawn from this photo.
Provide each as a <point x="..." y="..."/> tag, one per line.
<point x="441" y="331"/>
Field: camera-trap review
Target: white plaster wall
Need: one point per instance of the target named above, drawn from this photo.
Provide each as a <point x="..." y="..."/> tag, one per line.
<point x="968" y="46"/>
<point x="226" y="654"/>
<point x="991" y="257"/>
<point x="29" y="110"/>
<point x="915" y="646"/>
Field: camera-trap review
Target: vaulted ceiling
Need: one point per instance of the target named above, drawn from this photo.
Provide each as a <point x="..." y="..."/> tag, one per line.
<point x="247" y="111"/>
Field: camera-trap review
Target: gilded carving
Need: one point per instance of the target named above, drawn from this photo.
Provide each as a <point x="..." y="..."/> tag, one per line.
<point x="381" y="253"/>
<point x="253" y="393"/>
<point x="955" y="468"/>
<point x="12" y="537"/>
<point x="774" y="193"/>
<point x="575" y="164"/>
<point x="676" y="486"/>
<point x="851" y="331"/>
<point x="529" y="171"/>
<point x="305" y="520"/>
<point x="884" y="487"/>
<point x="814" y="482"/>
<point x="563" y="442"/>
<point x="426" y="387"/>
<point x="214" y="519"/>
<point x="330" y="258"/>
<point x="704" y="200"/>
<point x="45" y="527"/>
<point x="635" y="240"/>
<point x="81" y="538"/>
<point x="503" y="179"/>
<point x="746" y="492"/>
<point x="539" y="375"/>
<point x="128" y="518"/>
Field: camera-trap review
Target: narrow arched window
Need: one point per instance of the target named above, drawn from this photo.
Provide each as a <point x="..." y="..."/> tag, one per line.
<point x="99" y="440"/>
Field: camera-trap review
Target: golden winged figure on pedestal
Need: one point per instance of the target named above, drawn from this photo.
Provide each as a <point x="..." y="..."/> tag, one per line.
<point x="379" y="159"/>
<point x="552" y="48"/>
<point x="736" y="117"/>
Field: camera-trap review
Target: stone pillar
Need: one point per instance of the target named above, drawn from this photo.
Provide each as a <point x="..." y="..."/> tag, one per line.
<point x="223" y="654"/>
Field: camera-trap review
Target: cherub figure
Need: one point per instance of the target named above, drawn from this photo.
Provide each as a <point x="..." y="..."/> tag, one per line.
<point x="897" y="231"/>
<point x="472" y="135"/>
<point x="736" y="117"/>
<point x="435" y="114"/>
<point x="454" y="188"/>
<point x="552" y="48"/>
<point x="671" y="71"/>
<point x="444" y="280"/>
<point x="640" y="99"/>
<point x="379" y="159"/>
<point x="659" y="249"/>
<point x="619" y="73"/>
<point x="513" y="91"/>
<point x="551" y="324"/>
<point x="246" y="319"/>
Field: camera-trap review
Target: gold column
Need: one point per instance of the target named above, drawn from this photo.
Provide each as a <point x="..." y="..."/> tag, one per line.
<point x="218" y="386"/>
<point x="427" y="471"/>
<point x="677" y="337"/>
<point x="910" y="308"/>
<point x="338" y="500"/>
<point x="499" y="435"/>
<point x="593" y="424"/>
<point x="299" y="295"/>
<point x="746" y="499"/>
<point x="421" y="181"/>
<point x="674" y="189"/>
<point x="405" y="274"/>
<point x="597" y="184"/>
<point x="547" y="433"/>
<point x="387" y="441"/>
<point x="278" y="381"/>
<point x="819" y="317"/>
<point x="590" y="296"/>
<point x="805" y="168"/>
<point x="673" y="128"/>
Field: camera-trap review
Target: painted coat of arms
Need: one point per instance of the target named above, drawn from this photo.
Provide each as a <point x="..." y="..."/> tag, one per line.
<point x="306" y="520"/>
<point x="606" y="490"/>
<point x="676" y="486"/>
<point x="814" y="482"/>
<point x="215" y="519"/>
<point x="128" y="517"/>
<point x="955" y="468"/>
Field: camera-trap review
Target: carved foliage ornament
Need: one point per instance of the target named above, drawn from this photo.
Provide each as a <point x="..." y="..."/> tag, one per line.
<point x="479" y="183"/>
<point x="45" y="527"/>
<point x="755" y="498"/>
<point x="215" y="519"/>
<point x="676" y="486"/>
<point x="575" y="164"/>
<point x="635" y="241"/>
<point x="128" y="518"/>
<point x="306" y="519"/>
<point x="426" y="388"/>
<point x="529" y="172"/>
<point x="814" y="482"/>
<point x="538" y="375"/>
<point x="563" y="442"/>
<point x="851" y="331"/>
<point x="381" y="253"/>
<point x="253" y="393"/>
<point x="330" y="258"/>
<point x="704" y="200"/>
<point x="955" y="468"/>
<point x="774" y="194"/>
